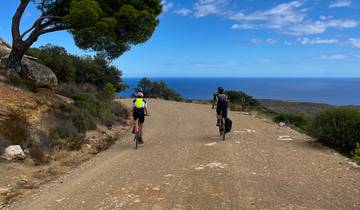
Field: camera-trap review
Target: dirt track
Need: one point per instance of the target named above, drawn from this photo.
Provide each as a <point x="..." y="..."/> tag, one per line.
<point x="185" y="165"/>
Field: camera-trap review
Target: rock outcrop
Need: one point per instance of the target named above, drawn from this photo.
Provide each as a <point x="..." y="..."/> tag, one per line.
<point x="32" y="71"/>
<point x="38" y="74"/>
<point x="5" y="48"/>
<point x="14" y="152"/>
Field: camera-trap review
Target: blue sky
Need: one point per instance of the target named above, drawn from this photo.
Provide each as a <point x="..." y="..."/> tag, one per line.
<point x="236" y="38"/>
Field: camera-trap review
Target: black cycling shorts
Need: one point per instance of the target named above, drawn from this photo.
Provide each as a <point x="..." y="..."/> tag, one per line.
<point x="222" y="110"/>
<point x="139" y="114"/>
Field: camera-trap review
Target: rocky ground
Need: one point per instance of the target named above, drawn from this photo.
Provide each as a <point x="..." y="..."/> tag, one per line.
<point x="19" y="178"/>
<point x="185" y="165"/>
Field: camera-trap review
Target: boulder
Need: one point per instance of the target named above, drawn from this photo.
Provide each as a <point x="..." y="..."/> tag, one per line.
<point x="4" y="191"/>
<point x="38" y="74"/>
<point x="5" y="48"/>
<point x="282" y="124"/>
<point x="14" y="152"/>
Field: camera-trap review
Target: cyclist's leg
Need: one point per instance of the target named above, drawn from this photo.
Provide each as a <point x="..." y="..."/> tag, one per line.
<point x="224" y="112"/>
<point x="218" y="115"/>
<point x="141" y="122"/>
<point x="135" y="117"/>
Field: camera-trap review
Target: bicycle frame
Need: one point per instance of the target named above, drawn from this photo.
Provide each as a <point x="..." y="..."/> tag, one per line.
<point x="137" y="133"/>
<point x="222" y="128"/>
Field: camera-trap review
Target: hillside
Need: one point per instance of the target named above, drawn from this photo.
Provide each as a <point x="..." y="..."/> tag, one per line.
<point x="185" y="165"/>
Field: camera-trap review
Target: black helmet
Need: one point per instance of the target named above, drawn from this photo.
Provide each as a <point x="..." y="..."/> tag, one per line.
<point x="220" y="90"/>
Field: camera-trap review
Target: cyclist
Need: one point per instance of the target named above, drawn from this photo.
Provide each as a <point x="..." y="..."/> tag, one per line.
<point x="139" y="112"/>
<point x="221" y="102"/>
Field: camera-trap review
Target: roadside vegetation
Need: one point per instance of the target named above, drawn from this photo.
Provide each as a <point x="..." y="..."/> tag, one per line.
<point x="90" y="83"/>
<point x="157" y="89"/>
<point x="336" y="127"/>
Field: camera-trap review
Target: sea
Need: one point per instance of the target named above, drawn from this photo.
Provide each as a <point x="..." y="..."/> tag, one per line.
<point x="334" y="91"/>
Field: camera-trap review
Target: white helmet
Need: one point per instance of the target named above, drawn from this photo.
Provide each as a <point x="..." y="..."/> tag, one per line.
<point x="140" y="95"/>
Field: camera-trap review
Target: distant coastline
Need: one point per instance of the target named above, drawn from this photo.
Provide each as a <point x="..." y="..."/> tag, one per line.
<point x="323" y="91"/>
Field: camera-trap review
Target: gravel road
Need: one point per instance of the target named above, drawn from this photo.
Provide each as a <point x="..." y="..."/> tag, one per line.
<point x="185" y="165"/>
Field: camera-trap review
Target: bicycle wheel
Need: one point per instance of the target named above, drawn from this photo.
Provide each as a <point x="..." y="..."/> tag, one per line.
<point x="136" y="140"/>
<point x="223" y="133"/>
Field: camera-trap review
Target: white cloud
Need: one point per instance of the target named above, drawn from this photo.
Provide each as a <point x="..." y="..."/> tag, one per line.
<point x="306" y="41"/>
<point x="271" y="41"/>
<point x="166" y="5"/>
<point x="204" y="8"/>
<point x="243" y="26"/>
<point x="340" y="3"/>
<point x="334" y="57"/>
<point x="266" y="41"/>
<point x="288" y="18"/>
<point x="256" y="41"/>
<point x="276" y="17"/>
<point x="319" y="27"/>
<point x="183" y="11"/>
<point x="355" y="42"/>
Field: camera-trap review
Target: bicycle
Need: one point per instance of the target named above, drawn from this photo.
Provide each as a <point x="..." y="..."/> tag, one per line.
<point x="222" y="129"/>
<point x="138" y="136"/>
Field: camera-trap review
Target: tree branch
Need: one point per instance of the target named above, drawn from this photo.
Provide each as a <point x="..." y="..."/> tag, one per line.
<point x="37" y="24"/>
<point x="15" y="29"/>
<point x="53" y="29"/>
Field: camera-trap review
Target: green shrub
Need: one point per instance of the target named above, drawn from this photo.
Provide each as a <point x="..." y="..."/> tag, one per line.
<point x="338" y="127"/>
<point x="296" y="119"/>
<point x="119" y="110"/>
<point x="15" y="128"/>
<point x="17" y="81"/>
<point x="157" y="90"/>
<point x="356" y="154"/>
<point x="74" y="143"/>
<point x="67" y="108"/>
<point x="69" y="68"/>
<point x="38" y="155"/>
<point x="63" y="131"/>
<point x="242" y="101"/>
<point x="91" y="104"/>
<point x="83" y="121"/>
<point x="109" y="91"/>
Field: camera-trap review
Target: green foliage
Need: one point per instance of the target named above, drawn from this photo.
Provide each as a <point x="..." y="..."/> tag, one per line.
<point x="15" y="128"/>
<point x="15" y="80"/>
<point x="120" y="113"/>
<point x="240" y="98"/>
<point x="58" y="60"/>
<point x="338" y="127"/>
<point x="157" y="90"/>
<point x="296" y="119"/>
<point x="111" y="27"/>
<point x="108" y="27"/>
<point x="356" y="154"/>
<point x="109" y="91"/>
<point x="83" y="121"/>
<point x="38" y="155"/>
<point x="73" y="69"/>
<point x="84" y="13"/>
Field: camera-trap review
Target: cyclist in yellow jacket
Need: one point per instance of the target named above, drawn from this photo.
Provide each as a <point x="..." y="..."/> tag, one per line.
<point x="139" y="112"/>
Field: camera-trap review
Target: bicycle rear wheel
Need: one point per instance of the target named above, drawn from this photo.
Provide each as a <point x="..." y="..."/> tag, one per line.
<point x="136" y="143"/>
<point x="223" y="133"/>
<point x="136" y="139"/>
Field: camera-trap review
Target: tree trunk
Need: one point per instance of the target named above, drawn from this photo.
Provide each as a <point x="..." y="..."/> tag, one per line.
<point x="15" y="57"/>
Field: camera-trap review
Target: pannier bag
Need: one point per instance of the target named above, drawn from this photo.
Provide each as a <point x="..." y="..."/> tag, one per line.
<point x="228" y="125"/>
